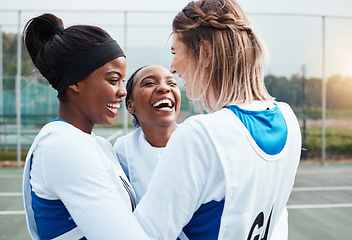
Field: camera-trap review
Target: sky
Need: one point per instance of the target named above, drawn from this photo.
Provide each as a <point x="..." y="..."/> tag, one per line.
<point x="294" y="42"/>
<point x="329" y="7"/>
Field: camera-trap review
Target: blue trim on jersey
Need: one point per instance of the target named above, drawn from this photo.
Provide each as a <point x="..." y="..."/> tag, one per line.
<point x="51" y="216"/>
<point x="59" y="120"/>
<point x="267" y="127"/>
<point x="205" y="222"/>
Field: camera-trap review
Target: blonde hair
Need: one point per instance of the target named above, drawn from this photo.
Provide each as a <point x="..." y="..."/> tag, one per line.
<point x="228" y="57"/>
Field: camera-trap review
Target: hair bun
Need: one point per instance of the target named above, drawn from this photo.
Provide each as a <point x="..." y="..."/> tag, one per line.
<point x="40" y="30"/>
<point x="58" y="30"/>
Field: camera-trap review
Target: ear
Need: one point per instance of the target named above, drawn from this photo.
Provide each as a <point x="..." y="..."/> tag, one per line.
<point x="208" y="51"/>
<point x="74" y="87"/>
<point x="130" y="107"/>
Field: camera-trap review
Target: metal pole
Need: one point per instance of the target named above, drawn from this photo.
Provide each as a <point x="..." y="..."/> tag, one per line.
<point x="125" y="112"/>
<point x="50" y="102"/>
<point x="323" y="135"/>
<point x="304" y="110"/>
<point x="1" y="88"/>
<point x="1" y="79"/>
<point x="18" y="91"/>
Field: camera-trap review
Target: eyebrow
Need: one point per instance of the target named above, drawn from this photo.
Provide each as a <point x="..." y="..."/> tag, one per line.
<point x="154" y="77"/>
<point x="170" y="77"/>
<point x="113" y="72"/>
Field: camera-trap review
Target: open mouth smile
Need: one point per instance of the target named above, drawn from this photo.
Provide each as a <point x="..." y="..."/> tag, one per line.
<point x="113" y="107"/>
<point x="164" y="105"/>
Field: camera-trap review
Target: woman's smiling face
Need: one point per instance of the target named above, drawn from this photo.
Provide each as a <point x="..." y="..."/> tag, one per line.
<point x="156" y="98"/>
<point x="181" y="64"/>
<point x="100" y="94"/>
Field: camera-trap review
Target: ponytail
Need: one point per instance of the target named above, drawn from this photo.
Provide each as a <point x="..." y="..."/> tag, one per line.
<point x="52" y="48"/>
<point x="39" y="31"/>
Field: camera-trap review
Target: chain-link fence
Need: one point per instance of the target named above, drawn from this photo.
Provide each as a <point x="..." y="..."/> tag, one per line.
<point x="309" y="67"/>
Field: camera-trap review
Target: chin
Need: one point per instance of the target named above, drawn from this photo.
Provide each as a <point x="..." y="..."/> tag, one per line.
<point x="108" y="122"/>
<point x="190" y="96"/>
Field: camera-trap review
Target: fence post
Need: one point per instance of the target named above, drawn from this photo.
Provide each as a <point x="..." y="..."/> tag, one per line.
<point x="1" y="78"/>
<point x="304" y="111"/>
<point x="323" y="134"/>
<point x="1" y="88"/>
<point x="125" y="113"/>
<point x="18" y="90"/>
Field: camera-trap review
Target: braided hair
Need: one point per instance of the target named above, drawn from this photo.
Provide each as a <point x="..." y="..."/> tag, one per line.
<point x="220" y="31"/>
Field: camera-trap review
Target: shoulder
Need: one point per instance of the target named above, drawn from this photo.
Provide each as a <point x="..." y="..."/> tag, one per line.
<point x="288" y="113"/>
<point x="198" y="130"/>
<point x="206" y="123"/>
<point x="284" y="106"/>
<point x="63" y="150"/>
<point x="122" y="141"/>
<point x="224" y="112"/>
<point x="127" y="145"/>
<point x="60" y="140"/>
<point x="61" y="135"/>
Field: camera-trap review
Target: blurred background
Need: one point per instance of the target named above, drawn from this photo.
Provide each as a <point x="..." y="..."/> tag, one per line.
<point x="310" y="68"/>
<point x="310" y="65"/>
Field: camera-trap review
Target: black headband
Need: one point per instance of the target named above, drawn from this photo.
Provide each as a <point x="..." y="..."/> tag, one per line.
<point x="85" y="64"/>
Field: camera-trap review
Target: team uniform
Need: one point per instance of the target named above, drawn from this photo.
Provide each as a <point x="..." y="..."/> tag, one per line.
<point x="74" y="188"/>
<point x="246" y="152"/>
<point x="138" y="159"/>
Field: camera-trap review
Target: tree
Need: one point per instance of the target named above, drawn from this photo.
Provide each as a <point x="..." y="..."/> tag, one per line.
<point x="10" y="56"/>
<point x="339" y="92"/>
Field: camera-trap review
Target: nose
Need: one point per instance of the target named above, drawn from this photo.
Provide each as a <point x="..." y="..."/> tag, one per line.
<point x="121" y="91"/>
<point x="163" y="88"/>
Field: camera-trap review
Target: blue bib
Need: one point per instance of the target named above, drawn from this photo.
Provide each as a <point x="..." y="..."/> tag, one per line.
<point x="267" y="127"/>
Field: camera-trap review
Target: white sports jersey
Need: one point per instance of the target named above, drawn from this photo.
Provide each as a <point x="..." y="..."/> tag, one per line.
<point x="208" y="150"/>
<point x="78" y="175"/>
<point x="138" y="159"/>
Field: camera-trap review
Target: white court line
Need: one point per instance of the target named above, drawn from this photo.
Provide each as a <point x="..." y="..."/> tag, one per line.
<point x="312" y="189"/>
<point x="312" y="206"/>
<point x="12" y="212"/>
<point x="324" y="171"/>
<point x="114" y="135"/>
<point x="11" y="194"/>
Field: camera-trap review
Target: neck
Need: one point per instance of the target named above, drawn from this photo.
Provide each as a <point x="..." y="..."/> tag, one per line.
<point x="158" y="136"/>
<point x="70" y="114"/>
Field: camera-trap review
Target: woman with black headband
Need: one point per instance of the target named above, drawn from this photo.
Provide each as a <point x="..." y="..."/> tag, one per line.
<point x="74" y="187"/>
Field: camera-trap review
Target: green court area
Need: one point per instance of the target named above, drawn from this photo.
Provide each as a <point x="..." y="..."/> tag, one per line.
<point x="320" y="206"/>
<point x="12" y="217"/>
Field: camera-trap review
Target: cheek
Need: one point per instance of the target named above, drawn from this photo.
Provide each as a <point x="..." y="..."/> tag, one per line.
<point x="141" y="100"/>
<point x="189" y="94"/>
<point x="177" y="63"/>
<point x="177" y="96"/>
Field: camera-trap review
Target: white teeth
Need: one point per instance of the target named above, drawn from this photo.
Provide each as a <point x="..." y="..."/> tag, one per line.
<point x="113" y="105"/>
<point x="164" y="101"/>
